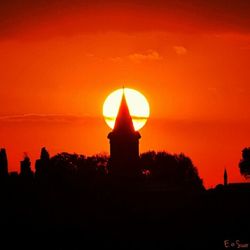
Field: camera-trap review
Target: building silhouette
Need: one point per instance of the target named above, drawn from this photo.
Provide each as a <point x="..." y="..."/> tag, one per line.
<point x="225" y="178"/>
<point x="3" y="163"/>
<point x="124" y="144"/>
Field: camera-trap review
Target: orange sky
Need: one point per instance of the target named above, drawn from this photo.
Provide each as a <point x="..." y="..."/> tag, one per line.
<point x="60" y="59"/>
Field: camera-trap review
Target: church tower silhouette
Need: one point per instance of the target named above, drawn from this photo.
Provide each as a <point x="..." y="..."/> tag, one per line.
<point x="124" y="144"/>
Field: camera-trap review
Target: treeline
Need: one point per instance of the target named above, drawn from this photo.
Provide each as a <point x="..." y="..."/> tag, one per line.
<point x="156" y="168"/>
<point x="71" y="201"/>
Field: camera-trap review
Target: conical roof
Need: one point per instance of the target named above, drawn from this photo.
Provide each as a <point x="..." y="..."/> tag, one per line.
<point x="123" y="122"/>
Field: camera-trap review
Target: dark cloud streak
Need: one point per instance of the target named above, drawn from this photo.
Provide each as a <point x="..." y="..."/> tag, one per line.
<point x="45" y="118"/>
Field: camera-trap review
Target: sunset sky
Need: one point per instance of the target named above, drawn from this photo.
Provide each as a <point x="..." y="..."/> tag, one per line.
<point x="60" y="59"/>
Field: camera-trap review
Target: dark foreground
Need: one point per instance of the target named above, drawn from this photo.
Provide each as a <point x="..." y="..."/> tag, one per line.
<point x="118" y="216"/>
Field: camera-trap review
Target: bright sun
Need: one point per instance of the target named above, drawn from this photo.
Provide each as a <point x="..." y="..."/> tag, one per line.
<point x="137" y="104"/>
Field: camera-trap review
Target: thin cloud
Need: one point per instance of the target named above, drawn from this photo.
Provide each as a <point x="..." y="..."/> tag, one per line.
<point x="150" y="55"/>
<point x="117" y="59"/>
<point x="45" y="118"/>
<point x="180" y="50"/>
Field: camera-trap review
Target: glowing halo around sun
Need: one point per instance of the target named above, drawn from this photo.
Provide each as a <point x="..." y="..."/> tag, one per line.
<point x="137" y="104"/>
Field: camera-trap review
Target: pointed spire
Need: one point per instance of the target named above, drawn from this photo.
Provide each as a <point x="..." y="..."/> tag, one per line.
<point x="225" y="172"/>
<point x="123" y="122"/>
<point x="225" y="177"/>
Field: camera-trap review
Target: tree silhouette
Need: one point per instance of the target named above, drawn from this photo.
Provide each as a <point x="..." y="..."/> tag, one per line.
<point x="44" y="154"/>
<point x="25" y="169"/>
<point x="76" y="170"/>
<point x="42" y="164"/>
<point x="244" y="163"/>
<point x="87" y="166"/>
<point x="171" y="170"/>
<point x="3" y="163"/>
<point x="73" y="195"/>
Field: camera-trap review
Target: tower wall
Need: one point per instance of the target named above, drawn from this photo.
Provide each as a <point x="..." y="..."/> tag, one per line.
<point x="124" y="154"/>
<point x="124" y="144"/>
